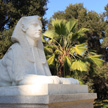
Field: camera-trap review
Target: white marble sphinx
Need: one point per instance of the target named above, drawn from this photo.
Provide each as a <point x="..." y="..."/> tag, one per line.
<point x="25" y="62"/>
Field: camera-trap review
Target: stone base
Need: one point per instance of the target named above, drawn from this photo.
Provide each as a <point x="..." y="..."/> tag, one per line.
<point x="79" y="100"/>
<point x="46" y="96"/>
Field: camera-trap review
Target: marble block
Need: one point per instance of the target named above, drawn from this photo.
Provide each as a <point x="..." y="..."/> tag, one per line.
<point x="44" y="89"/>
<point x="77" y="100"/>
<point x="47" y="96"/>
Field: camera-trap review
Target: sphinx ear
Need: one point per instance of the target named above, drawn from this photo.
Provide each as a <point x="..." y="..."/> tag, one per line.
<point x="23" y="24"/>
<point x="23" y="28"/>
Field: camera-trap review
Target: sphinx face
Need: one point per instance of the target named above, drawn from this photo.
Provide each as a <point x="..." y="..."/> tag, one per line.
<point x="34" y="30"/>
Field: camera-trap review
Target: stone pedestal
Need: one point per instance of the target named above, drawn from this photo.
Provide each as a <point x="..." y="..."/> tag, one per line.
<point x="55" y="96"/>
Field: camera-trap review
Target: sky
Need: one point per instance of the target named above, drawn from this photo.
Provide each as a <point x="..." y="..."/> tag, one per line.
<point x="60" y="5"/>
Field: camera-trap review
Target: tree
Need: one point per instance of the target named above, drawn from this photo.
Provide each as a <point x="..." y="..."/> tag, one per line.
<point x="11" y="11"/>
<point x="91" y="20"/>
<point x="101" y="81"/>
<point x="67" y="48"/>
<point x="98" y="81"/>
<point x="106" y="12"/>
<point x="73" y="11"/>
<point x="98" y="29"/>
<point x="5" y="41"/>
<point x="105" y="39"/>
<point x="15" y="9"/>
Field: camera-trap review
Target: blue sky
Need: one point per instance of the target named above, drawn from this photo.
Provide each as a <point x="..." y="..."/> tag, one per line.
<point x="60" y="5"/>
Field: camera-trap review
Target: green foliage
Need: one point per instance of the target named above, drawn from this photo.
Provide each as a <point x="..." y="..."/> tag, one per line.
<point x="86" y="20"/>
<point x="105" y="42"/>
<point x="5" y="41"/>
<point x="87" y="30"/>
<point x="101" y="81"/>
<point x="68" y="61"/>
<point x="80" y="49"/>
<point x="72" y="11"/>
<point x="15" y="9"/>
<point x="92" y="27"/>
<point x="51" y="60"/>
<point x="79" y="65"/>
<point x="59" y="27"/>
<point x="95" y="59"/>
<point x="101" y="104"/>
<point x="98" y="81"/>
<point x="81" y="83"/>
<point x="69" y="54"/>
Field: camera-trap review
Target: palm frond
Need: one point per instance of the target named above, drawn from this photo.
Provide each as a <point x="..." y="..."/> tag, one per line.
<point x="68" y="60"/>
<point x="51" y="46"/>
<point x="49" y="50"/>
<point x="59" y="26"/>
<point x="58" y="52"/>
<point x="43" y="40"/>
<point x="71" y="25"/>
<point x="80" y="49"/>
<point x="96" y="59"/>
<point x="79" y="65"/>
<point x="51" y="59"/>
<point x="82" y="32"/>
<point x="50" y="34"/>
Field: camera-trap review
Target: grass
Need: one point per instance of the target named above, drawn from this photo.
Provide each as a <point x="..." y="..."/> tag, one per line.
<point x="101" y="104"/>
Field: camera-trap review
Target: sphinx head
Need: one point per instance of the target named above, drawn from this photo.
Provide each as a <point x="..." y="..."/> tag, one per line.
<point x="30" y="27"/>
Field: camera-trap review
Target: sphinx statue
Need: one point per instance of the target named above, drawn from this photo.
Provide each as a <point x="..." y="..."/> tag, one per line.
<point x="25" y="62"/>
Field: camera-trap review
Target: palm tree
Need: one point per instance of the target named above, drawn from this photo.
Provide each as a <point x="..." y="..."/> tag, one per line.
<point x="67" y="48"/>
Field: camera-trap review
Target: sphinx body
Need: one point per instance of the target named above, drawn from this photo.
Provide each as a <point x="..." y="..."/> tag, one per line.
<point x="25" y="62"/>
